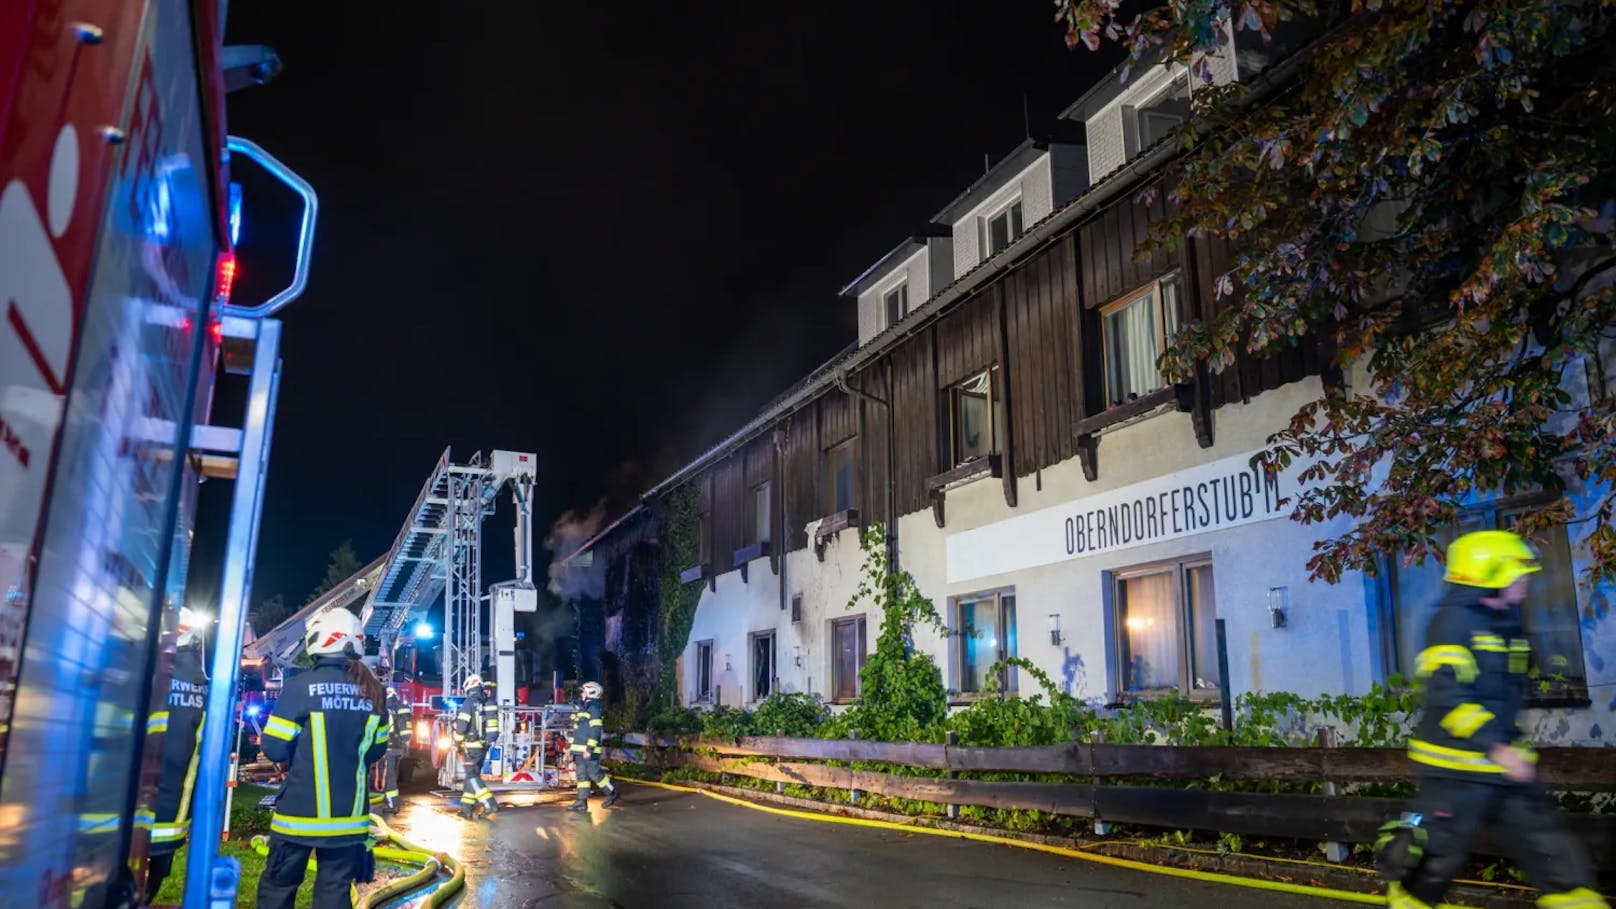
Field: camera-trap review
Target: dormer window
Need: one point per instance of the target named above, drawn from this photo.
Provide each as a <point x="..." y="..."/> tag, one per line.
<point x="998" y="229"/>
<point x="897" y="303"/>
<point x="1156" y="118"/>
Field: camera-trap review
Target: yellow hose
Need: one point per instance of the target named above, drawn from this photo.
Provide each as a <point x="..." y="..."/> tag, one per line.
<point x="410" y="854"/>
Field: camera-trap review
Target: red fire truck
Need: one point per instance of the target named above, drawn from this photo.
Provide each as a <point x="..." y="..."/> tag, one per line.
<point x="115" y="257"/>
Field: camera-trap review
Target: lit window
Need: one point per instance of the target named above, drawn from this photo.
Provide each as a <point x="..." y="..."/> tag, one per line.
<point x="1550" y="612"/>
<point x="897" y="303"/>
<point x="987" y="634"/>
<point x="1166" y="618"/>
<point x="971" y="412"/>
<point x="763" y="667"/>
<point x="840" y="459"/>
<point x="997" y="231"/>
<point x="847" y="657"/>
<point x="1135" y="331"/>
<point x="704" y="671"/>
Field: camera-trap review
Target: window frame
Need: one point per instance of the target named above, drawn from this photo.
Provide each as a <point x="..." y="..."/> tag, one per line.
<point x="759" y="532"/>
<point x="1009" y="638"/>
<point x="1179" y="568"/>
<point x="900" y="291"/>
<point x="849" y="446"/>
<point x="752" y="639"/>
<point x="704" y="670"/>
<point x="1492" y="514"/>
<point x="1158" y="321"/>
<point x="860" y="624"/>
<point x="984" y="225"/>
<point x="956" y="393"/>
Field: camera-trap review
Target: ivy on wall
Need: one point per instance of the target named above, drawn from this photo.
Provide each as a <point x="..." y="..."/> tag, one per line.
<point x="681" y="548"/>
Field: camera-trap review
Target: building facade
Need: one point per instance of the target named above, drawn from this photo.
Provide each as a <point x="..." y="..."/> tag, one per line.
<point x="1058" y="500"/>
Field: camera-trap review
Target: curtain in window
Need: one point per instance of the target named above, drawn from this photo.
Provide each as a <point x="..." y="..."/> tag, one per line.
<point x="762" y="666"/>
<point x="975" y="421"/>
<point x="979" y="641"/>
<point x="1130" y="348"/>
<point x="1150" y="633"/>
<point x="1203" y="628"/>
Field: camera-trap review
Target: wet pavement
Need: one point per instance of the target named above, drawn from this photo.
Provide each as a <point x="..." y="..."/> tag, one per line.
<point x="660" y="848"/>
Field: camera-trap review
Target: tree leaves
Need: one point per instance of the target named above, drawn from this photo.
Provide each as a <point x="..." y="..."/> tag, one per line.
<point x="1424" y="196"/>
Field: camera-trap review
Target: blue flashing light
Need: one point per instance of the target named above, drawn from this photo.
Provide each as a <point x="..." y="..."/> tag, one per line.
<point x="254" y="710"/>
<point x="423" y="631"/>
<point x="235" y="213"/>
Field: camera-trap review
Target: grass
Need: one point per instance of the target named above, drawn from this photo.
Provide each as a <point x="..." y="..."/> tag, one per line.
<point x="246" y="821"/>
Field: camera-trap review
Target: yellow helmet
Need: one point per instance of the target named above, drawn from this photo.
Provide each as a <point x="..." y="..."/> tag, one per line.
<point x="1492" y="559"/>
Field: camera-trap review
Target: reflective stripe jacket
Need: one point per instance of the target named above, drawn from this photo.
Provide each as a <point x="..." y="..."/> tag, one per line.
<point x="179" y="722"/>
<point x="1475" y="671"/>
<point x="588" y="729"/>
<point x="400" y="719"/>
<point x="330" y="733"/>
<point x="476" y="724"/>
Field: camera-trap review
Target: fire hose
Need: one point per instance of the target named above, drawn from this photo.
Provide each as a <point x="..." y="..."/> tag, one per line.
<point x="406" y="853"/>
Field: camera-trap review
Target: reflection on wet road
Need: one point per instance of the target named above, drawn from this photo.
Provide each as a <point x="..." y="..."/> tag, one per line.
<point x="662" y="848"/>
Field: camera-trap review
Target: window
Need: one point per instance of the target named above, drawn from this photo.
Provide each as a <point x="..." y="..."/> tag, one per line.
<point x="1166" y="629"/>
<point x="897" y="303"/>
<point x="705" y="528"/>
<point x="840" y="458"/>
<point x="704" y="671"/>
<point x="763" y="667"/>
<point x="1156" y="119"/>
<point x="1135" y="330"/>
<point x="847" y="657"/>
<point x="987" y="634"/>
<point x="971" y="413"/>
<point x="1000" y="229"/>
<point x="761" y="512"/>
<point x="1550" y="613"/>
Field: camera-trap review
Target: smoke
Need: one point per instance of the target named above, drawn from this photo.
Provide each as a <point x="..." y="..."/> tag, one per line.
<point x="569" y="532"/>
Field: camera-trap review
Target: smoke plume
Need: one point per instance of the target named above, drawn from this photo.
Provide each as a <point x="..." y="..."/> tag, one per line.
<point x="570" y="531"/>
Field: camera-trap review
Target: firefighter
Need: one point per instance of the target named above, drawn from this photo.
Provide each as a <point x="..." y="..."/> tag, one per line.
<point x="588" y="730"/>
<point x="179" y="722"/>
<point x="398" y="743"/>
<point x="329" y="726"/>
<point x="1471" y="763"/>
<point x="473" y="733"/>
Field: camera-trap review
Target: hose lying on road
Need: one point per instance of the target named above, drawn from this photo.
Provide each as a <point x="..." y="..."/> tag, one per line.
<point x="407" y="853"/>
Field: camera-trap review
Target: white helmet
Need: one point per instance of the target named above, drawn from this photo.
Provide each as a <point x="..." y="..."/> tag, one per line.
<point x="472" y="681"/>
<point x="592" y="691"/>
<point x="334" y="631"/>
<point x="192" y="624"/>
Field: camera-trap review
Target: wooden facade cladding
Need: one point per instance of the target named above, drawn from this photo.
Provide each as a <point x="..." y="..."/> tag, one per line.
<point x="1039" y="324"/>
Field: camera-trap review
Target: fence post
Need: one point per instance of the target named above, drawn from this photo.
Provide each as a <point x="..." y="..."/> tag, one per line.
<point x="853" y="794"/>
<point x="1101" y="828"/>
<point x="779" y="785"/>
<point x="1333" y="851"/>
<point x="953" y="810"/>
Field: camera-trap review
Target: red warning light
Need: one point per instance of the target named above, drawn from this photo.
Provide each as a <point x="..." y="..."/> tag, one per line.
<point x="216" y="329"/>
<point x="225" y="278"/>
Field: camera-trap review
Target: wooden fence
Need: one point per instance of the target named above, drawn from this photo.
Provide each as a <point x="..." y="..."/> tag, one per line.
<point x="1331" y="818"/>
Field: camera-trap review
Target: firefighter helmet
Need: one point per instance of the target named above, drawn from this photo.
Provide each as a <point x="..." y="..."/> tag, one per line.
<point x="473" y="681"/>
<point x="1492" y="559"/>
<point x="334" y="631"/>
<point x="191" y="624"/>
<point x="592" y="691"/>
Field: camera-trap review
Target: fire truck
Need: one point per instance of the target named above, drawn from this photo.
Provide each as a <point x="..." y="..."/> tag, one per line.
<point x="117" y="260"/>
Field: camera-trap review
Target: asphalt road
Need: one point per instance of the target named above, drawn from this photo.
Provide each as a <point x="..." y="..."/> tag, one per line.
<point x="659" y="848"/>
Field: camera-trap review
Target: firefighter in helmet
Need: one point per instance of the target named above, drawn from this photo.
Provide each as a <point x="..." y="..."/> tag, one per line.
<point x="1471" y="763"/>
<point x="329" y="727"/>
<point x="399" y="718"/>
<point x="476" y="727"/>
<point x="179" y="722"/>
<point x="588" y="731"/>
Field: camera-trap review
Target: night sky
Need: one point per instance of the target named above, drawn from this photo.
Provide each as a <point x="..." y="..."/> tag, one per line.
<point x="606" y="232"/>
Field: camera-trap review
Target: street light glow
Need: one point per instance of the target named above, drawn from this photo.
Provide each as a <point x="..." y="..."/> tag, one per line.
<point x="423" y="631"/>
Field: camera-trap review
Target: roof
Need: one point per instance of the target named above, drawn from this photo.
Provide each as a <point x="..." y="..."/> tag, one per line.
<point x="1037" y="235"/>
<point x="603" y="533"/>
<point x="911" y="244"/>
<point x="1019" y="159"/>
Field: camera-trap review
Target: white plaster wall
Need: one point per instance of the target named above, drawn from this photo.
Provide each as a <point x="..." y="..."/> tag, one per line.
<point x="872" y="303"/>
<point x="1033" y="183"/>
